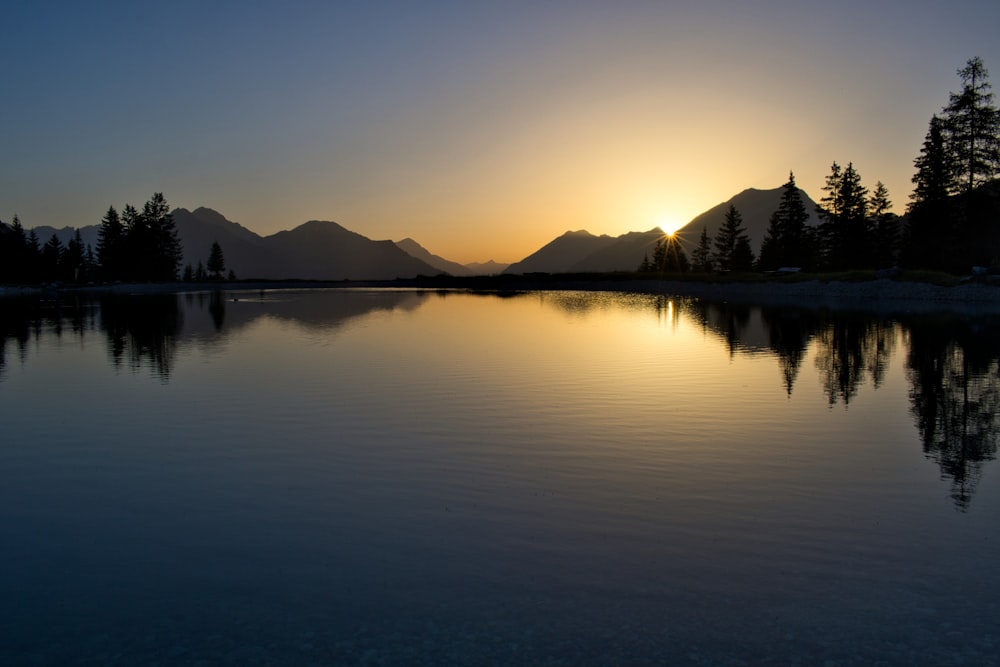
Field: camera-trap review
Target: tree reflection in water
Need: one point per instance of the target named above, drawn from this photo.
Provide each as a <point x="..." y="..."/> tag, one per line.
<point x="952" y="368"/>
<point x="728" y="320"/>
<point x="850" y="349"/>
<point x="789" y="333"/>
<point x="955" y="399"/>
<point x="142" y="330"/>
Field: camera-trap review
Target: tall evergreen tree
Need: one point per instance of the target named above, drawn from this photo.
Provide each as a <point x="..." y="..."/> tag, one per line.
<point x="930" y="234"/>
<point x="788" y="241"/>
<point x="165" y="247"/>
<point x="151" y="248"/>
<point x="844" y="234"/>
<point x="111" y="245"/>
<point x="885" y="228"/>
<point x="135" y="245"/>
<point x="33" y="254"/>
<point x="728" y="256"/>
<point x="15" y="255"/>
<point x="216" y="261"/>
<point x="51" y="259"/>
<point x="701" y="256"/>
<point x="72" y="262"/>
<point x="973" y="125"/>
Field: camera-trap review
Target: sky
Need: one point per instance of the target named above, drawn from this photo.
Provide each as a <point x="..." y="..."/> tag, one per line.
<point x="482" y="130"/>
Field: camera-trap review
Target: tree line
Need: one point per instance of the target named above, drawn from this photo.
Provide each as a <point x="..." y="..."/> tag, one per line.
<point x="135" y="245"/>
<point x="952" y="222"/>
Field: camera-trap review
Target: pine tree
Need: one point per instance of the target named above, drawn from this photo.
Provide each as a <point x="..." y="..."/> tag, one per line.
<point x="728" y="241"/>
<point x="701" y="256"/>
<point x="973" y="138"/>
<point x="15" y="264"/>
<point x="788" y="242"/>
<point x="151" y="248"/>
<point x="51" y="259"/>
<point x="216" y="261"/>
<point x="33" y="255"/>
<point x="885" y="226"/>
<point x="844" y="234"/>
<point x="71" y="263"/>
<point x="165" y="247"/>
<point x="110" y="245"/>
<point x="973" y="126"/>
<point x="930" y="235"/>
<point x="90" y="264"/>
<point x="135" y="245"/>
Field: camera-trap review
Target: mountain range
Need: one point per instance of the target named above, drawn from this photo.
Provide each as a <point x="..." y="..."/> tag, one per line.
<point x="323" y="250"/>
<point x="581" y="251"/>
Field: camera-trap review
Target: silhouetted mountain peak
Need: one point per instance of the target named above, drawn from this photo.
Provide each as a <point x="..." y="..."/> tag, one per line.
<point x="755" y="207"/>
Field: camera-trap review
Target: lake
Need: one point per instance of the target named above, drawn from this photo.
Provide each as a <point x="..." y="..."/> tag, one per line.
<point x="404" y="477"/>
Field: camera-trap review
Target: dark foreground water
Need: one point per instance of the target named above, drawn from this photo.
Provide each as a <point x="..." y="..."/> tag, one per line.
<point x="407" y="478"/>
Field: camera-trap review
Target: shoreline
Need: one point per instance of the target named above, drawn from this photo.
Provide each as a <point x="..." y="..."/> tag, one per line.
<point x="879" y="296"/>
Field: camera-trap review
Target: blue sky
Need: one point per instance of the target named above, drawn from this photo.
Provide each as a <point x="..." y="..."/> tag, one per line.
<point x="482" y="130"/>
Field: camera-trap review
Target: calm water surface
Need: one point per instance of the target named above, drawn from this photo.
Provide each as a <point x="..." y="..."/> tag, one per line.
<point x="403" y="477"/>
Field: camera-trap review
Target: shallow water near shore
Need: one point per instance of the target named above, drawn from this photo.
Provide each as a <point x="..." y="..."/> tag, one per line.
<point x="402" y="477"/>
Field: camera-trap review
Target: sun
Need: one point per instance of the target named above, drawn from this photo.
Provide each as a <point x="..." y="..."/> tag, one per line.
<point x="669" y="224"/>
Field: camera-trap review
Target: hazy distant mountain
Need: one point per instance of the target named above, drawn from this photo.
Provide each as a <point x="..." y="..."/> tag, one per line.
<point x="581" y="251"/>
<point x="321" y="250"/>
<point x="245" y="252"/>
<point x="414" y="249"/>
<point x="316" y="250"/>
<point x="756" y="207"/>
<point x="88" y="235"/>
<point x="624" y="253"/>
<point x="561" y="254"/>
<point x="489" y="268"/>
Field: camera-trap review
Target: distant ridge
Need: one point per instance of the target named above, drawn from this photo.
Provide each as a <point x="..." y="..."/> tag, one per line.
<point x="88" y="234"/>
<point x="323" y="250"/>
<point x="245" y="252"/>
<point x="489" y="268"/>
<point x="414" y="249"/>
<point x="581" y="252"/>
<point x="561" y="254"/>
<point x="623" y="253"/>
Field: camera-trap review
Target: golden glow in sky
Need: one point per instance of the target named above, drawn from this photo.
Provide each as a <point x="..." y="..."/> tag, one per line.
<point x="482" y="131"/>
<point x="670" y="224"/>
